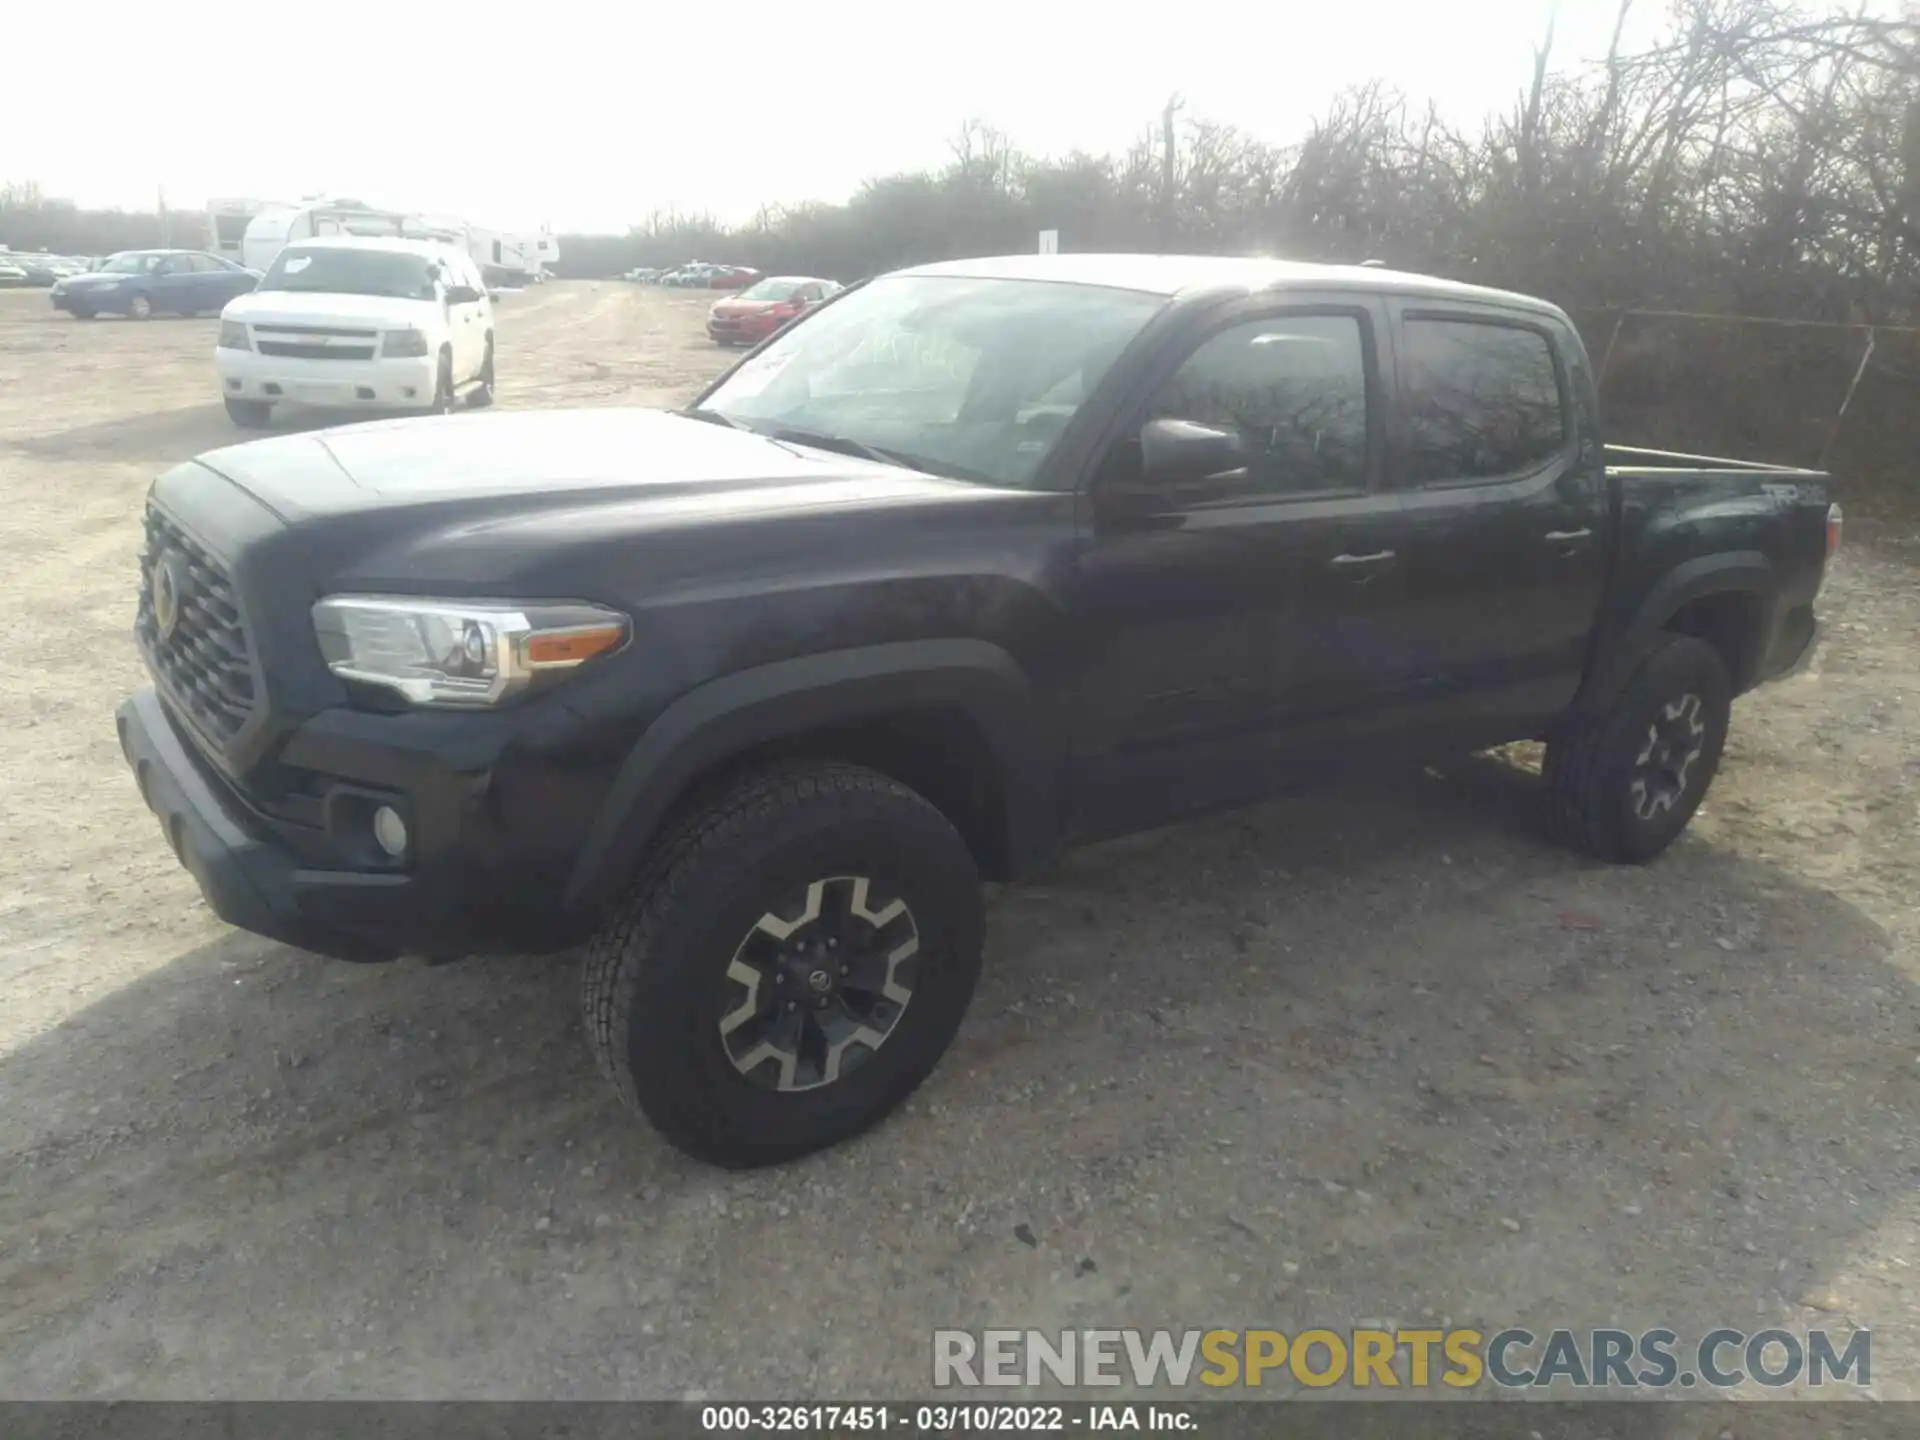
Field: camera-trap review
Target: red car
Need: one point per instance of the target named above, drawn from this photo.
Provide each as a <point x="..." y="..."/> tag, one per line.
<point x="763" y="308"/>
<point x="732" y="277"/>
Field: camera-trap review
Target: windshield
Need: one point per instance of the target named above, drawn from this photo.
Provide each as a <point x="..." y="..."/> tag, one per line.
<point x="771" y="290"/>
<point x="966" y="377"/>
<point x="334" y="270"/>
<point x="132" y="263"/>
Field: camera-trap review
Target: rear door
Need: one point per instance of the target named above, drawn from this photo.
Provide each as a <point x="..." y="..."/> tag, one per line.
<point x="173" y="284"/>
<point x="227" y="280"/>
<point x="209" y="281"/>
<point x="1501" y="473"/>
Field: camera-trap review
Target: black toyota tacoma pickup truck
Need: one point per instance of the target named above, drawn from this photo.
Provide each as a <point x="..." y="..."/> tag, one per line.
<point x="975" y="561"/>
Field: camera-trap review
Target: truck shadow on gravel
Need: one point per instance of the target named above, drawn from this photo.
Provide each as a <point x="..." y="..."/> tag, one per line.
<point x="1376" y="1056"/>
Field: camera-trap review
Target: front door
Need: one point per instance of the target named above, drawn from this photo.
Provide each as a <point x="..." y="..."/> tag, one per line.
<point x="1212" y="635"/>
<point x="465" y="332"/>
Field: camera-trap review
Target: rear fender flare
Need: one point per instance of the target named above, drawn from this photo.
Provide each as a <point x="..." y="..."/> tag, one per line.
<point x="738" y="713"/>
<point x="1746" y="572"/>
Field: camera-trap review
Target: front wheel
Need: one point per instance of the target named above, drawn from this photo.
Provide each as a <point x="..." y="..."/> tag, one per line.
<point x="443" y="387"/>
<point x="249" y="414"/>
<point x="140" y="307"/>
<point x="791" y="964"/>
<point x="481" y="396"/>
<point x="1623" y="785"/>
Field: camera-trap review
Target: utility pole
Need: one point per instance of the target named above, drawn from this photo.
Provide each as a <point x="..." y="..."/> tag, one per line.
<point x="1168" y="152"/>
<point x="166" y="223"/>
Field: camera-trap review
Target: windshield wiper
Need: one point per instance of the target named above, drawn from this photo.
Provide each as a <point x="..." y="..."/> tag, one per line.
<point x="821" y="440"/>
<point x="712" y="417"/>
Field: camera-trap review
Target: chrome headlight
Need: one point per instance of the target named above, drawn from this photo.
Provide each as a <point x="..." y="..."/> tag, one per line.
<point x="460" y="653"/>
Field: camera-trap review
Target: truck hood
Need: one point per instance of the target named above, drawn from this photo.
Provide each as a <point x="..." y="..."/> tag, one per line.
<point x="312" y="308"/>
<point x="673" y="468"/>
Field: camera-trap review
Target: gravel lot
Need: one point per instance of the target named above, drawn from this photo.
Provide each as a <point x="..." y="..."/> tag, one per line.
<point x="1370" y="1057"/>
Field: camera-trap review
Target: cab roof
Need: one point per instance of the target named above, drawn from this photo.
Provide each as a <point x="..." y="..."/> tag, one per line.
<point x="1183" y="275"/>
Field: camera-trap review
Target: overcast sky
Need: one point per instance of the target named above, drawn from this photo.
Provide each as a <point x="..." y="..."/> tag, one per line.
<point x="596" y="114"/>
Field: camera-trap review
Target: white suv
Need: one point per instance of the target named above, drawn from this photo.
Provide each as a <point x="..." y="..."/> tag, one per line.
<point x="358" y="323"/>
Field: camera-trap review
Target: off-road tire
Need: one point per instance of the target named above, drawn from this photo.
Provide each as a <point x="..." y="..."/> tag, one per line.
<point x="655" y="973"/>
<point x="1590" y="765"/>
<point x="249" y="414"/>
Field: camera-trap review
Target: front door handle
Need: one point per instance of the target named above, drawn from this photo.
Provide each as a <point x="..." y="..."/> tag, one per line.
<point x="1360" y="569"/>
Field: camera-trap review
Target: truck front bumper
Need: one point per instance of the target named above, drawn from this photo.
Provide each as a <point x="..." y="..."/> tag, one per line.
<point x="259" y="875"/>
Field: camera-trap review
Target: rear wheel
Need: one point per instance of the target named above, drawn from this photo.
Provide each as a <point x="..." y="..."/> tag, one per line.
<point x="249" y="414"/>
<point x="1624" y="784"/>
<point x="792" y="962"/>
<point x="140" y="307"/>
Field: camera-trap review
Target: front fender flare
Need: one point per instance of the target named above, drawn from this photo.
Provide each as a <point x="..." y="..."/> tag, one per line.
<point x="737" y="713"/>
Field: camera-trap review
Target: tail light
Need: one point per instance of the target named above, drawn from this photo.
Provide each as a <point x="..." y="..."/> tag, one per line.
<point x="1835" y="519"/>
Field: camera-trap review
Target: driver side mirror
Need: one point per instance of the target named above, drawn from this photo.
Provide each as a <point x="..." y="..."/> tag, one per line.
<point x="1181" y="464"/>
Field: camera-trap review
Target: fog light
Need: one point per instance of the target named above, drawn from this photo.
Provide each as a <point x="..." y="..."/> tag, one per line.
<point x="390" y="831"/>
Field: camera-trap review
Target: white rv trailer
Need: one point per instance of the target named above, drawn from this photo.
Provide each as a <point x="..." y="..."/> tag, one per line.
<point x="509" y="258"/>
<point x="229" y="219"/>
<point x="502" y="257"/>
<point x="271" y="231"/>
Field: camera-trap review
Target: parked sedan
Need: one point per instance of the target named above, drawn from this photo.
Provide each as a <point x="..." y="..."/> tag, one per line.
<point x="141" y="283"/>
<point x="761" y="309"/>
<point x="40" y="270"/>
<point x="12" y="277"/>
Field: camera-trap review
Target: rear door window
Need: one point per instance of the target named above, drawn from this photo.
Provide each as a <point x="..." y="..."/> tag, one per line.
<point x="1483" y="400"/>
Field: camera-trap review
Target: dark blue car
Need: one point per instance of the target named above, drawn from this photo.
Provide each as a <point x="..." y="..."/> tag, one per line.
<point x="141" y="283"/>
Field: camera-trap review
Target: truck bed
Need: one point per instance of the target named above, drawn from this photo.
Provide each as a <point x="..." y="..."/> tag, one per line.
<point x="1636" y="460"/>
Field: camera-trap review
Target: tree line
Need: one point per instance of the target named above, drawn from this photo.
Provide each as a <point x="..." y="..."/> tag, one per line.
<point x="1759" y="158"/>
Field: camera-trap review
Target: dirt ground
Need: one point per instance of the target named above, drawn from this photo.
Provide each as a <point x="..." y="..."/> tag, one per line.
<point x="1373" y="1057"/>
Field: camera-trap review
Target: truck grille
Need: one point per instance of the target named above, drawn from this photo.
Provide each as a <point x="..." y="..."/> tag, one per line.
<point x="204" y="663"/>
<point x="332" y="332"/>
<point x="293" y="351"/>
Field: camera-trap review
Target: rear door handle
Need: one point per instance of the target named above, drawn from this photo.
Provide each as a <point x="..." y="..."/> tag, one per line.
<point x="1570" y="542"/>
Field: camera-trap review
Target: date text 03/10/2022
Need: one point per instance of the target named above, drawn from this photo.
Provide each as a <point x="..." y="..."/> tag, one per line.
<point x="945" y="1419"/>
